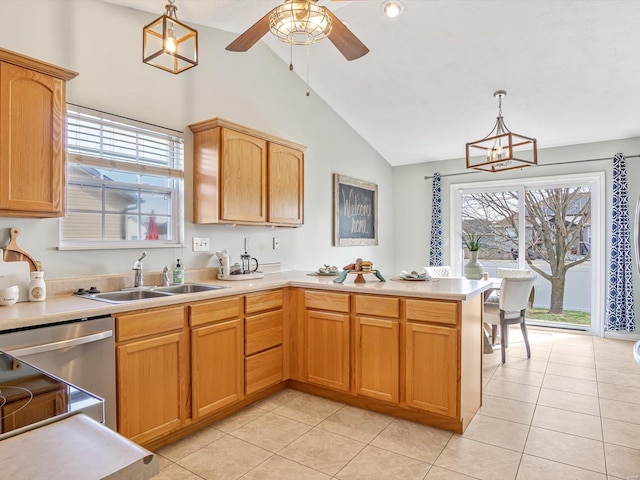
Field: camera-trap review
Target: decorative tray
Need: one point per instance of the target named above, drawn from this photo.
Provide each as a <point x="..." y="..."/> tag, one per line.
<point x="323" y="274"/>
<point x="242" y="276"/>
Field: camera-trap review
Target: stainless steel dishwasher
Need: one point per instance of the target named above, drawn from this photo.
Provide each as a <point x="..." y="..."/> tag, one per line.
<point x="81" y="352"/>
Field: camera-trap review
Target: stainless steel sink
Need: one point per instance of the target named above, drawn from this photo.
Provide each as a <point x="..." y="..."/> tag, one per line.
<point x="187" y="288"/>
<point x="124" y="296"/>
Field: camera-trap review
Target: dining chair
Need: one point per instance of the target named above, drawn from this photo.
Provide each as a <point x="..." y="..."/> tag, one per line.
<point x="494" y="295"/>
<point x="511" y="309"/>
<point x="438" y="272"/>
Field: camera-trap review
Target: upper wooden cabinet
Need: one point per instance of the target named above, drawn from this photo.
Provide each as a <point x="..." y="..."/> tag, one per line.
<point x="246" y="177"/>
<point x="32" y="137"/>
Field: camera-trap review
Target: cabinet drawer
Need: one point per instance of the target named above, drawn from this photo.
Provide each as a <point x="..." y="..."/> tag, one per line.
<point x="263" y="370"/>
<point x="260" y="302"/>
<point x="378" y="306"/>
<point x="430" y="311"/>
<point x="263" y="331"/>
<point x="138" y="325"/>
<point x="214" y="311"/>
<point x="337" y="302"/>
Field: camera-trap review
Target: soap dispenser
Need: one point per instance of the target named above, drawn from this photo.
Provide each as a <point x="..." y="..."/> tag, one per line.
<point x="178" y="274"/>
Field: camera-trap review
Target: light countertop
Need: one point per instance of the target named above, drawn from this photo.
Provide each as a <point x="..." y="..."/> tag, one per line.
<point x="76" y="447"/>
<point x="68" y="307"/>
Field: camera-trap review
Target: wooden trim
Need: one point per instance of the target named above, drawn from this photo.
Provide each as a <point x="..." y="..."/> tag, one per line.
<point x="220" y="122"/>
<point x="36" y="65"/>
<point x="414" y="415"/>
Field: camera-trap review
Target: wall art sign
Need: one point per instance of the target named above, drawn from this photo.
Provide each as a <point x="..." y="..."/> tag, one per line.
<point x="355" y="211"/>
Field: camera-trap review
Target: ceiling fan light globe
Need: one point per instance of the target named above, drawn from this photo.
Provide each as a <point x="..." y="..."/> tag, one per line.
<point x="300" y="22"/>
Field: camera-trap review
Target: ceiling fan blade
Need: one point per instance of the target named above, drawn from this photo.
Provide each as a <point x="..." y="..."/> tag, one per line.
<point x="249" y="38"/>
<point x="344" y="40"/>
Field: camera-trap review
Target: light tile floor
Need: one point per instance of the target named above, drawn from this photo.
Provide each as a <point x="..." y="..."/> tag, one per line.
<point x="572" y="411"/>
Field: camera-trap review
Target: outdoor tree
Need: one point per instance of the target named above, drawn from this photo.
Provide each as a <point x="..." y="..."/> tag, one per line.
<point x="555" y="222"/>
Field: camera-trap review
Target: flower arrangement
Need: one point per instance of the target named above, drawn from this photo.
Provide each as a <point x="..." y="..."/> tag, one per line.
<point x="472" y="241"/>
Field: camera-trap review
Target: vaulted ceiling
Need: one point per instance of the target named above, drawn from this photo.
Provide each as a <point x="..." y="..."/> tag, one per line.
<point x="571" y="69"/>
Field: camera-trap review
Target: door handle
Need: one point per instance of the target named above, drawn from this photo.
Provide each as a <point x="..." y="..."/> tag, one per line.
<point x="49" y="347"/>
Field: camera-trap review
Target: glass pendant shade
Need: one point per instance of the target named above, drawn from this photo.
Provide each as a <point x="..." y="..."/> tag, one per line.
<point x="300" y="22"/>
<point x="501" y="149"/>
<point x="169" y="44"/>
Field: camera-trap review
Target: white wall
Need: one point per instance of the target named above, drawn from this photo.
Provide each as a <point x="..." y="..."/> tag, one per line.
<point x="103" y="42"/>
<point x="412" y="195"/>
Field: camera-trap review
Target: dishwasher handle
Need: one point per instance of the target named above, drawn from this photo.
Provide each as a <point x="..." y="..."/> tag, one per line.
<point x="49" y="347"/>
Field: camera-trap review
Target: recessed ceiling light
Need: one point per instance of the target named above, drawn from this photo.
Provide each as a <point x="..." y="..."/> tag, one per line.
<point x="392" y="8"/>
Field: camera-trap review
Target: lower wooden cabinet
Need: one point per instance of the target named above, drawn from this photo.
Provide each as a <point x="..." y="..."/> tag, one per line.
<point x="217" y="354"/>
<point x="151" y="390"/>
<point x="377" y="351"/>
<point x="327" y="349"/>
<point x="432" y="368"/>
<point x="217" y="366"/>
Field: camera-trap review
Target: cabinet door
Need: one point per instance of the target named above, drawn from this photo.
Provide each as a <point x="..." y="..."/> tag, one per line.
<point x="151" y="392"/>
<point x="243" y="178"/>
<point x="217" y="364"/>
<point x="377" y="358"/>
<point x="32" y="108"/>
<point x="431" y="368"/>
<point x="286" y="185"/>
<point x="327" y="345"/>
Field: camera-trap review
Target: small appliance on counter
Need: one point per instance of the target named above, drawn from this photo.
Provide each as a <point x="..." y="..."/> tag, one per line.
<point x="238" y="271"/>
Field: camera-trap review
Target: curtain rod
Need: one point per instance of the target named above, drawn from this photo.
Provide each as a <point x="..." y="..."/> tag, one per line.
<point x="427" y="177"/>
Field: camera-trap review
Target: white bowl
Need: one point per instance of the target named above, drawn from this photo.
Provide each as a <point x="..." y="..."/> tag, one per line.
<point x="9" y="295"/>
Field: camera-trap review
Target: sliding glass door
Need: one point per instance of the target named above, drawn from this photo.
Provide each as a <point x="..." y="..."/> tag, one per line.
<point x="550" y="226"/>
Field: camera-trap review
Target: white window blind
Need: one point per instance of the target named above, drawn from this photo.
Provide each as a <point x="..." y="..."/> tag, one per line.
<point x="124" y="182"/>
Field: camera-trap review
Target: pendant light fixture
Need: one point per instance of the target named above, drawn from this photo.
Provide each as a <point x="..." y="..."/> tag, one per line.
<point x="501" y="149"/>
<point x="170" y="44"/>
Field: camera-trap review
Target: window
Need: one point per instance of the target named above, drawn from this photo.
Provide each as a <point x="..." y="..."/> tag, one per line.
<point x="124" y="183"/>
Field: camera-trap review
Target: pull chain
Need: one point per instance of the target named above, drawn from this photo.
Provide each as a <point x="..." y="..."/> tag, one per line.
<point x="291" y="57"/>
<point x="308" y="91"/>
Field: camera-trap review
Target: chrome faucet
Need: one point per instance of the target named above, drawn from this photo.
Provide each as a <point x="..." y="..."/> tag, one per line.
<point x="138" y="280"/>
<point x="165" y="276"/>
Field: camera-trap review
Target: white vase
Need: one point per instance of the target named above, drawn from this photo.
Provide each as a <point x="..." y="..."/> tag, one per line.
<point x="473" y="269"/>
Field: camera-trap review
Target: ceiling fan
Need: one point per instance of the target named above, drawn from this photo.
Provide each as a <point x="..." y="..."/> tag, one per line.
<point x="302" y="22"/>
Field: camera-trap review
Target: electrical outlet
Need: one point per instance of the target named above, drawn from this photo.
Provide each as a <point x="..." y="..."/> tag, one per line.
<point x="200" y="244"/>
<point x="276" y="243"/>
<point x="247" y="244"/>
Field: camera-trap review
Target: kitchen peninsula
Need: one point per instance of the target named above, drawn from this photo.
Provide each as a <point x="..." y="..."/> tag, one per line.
<point x="409" y="349"/>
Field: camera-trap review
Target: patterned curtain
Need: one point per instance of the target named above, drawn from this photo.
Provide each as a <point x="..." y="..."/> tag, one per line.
<point x="620" y="315"/>
<point x="435" y="249"/>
